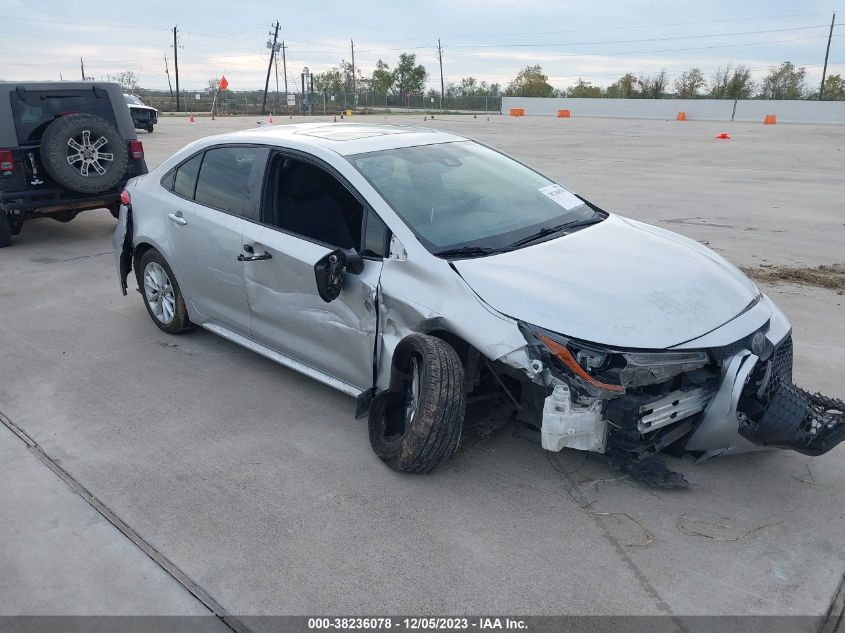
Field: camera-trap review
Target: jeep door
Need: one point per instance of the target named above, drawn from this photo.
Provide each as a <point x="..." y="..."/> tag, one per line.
<point x="308" y="211"/>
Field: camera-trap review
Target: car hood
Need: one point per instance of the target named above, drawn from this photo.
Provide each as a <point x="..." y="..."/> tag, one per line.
<point x="134" y="106"/>
<point x="621" y="283"/>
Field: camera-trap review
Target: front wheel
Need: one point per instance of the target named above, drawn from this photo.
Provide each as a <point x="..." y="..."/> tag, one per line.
<point x="416" y="425"/>
<point x="162" y="296"/>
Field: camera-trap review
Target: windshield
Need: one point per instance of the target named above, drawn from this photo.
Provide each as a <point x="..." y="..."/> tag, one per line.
<point x="132" y="99"/>
<point x="463" y="194"/>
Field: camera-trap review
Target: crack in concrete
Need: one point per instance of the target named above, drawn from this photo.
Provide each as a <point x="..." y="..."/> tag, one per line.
<point x="169" y="567"/>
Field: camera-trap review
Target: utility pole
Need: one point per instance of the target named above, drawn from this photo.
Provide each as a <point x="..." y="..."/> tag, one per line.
<point x="82" y="68"/>
<point x="176" y="65"/>
<point x="273" y="50"/>
<point x="285" y="69"/>
<point x="440" y="59"/>
<point x="354" y="92"/>
<point x="167" y="72"/>
<point x="827" y="53"/>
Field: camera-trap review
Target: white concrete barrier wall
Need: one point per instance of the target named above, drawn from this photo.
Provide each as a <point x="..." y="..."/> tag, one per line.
<point x="824" y="112"/>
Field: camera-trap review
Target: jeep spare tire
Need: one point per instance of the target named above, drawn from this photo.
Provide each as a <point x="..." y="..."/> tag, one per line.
<point x="84" y="153"/>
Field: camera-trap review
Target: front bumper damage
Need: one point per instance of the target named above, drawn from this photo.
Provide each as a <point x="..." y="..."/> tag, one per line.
<point x="740" y="401"/>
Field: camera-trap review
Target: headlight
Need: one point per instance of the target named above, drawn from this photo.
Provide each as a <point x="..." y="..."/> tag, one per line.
<point x="612" y="371"/>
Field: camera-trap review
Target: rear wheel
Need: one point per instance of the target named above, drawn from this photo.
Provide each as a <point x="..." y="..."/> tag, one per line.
<point x="5" y="230"/>
<point x="115" y="211"/>
<point x="162" y="296"/>
<point x="416" y="425"/>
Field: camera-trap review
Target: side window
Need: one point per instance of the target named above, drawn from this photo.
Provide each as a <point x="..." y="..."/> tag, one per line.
<point x="309" y="201"/>
<point x="169" y="180"/>
<point x="375" y="236"/>
<point x="186" y="177"/>
<point x="227" y="179"/>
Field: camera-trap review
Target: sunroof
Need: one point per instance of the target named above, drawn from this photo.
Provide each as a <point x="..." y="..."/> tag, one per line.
<point x="342" y="133"/>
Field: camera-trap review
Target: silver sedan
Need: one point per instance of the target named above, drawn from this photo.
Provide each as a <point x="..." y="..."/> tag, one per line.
<point x="443" y="283"/>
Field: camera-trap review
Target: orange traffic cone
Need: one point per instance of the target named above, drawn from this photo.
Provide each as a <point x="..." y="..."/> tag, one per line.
<point x="770" y="119"/>
<point x="682" y="116"/>
<point x="191" y="118"/>
<point x="723" y="137"/>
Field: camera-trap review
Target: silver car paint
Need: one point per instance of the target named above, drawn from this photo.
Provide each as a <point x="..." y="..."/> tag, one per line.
<point x="419" y="292"/>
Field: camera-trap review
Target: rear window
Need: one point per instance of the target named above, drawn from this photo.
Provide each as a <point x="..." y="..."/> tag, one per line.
<point x="186" y="177"/>
<point x="34" y="110"/>
<point x="225" y="178"/>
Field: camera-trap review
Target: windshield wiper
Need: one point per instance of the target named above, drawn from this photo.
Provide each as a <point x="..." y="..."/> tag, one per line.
<point x="468" y="251"/>
<point x="549" y="230"/>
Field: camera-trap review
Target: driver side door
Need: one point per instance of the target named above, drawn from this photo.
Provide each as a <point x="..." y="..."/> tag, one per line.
<point x="301" y="218"/>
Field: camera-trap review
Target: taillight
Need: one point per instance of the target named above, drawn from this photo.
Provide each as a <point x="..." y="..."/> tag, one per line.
<point x="136" y="149"/>
<point x="124" y="198"/>
<point x="7" y="163"/>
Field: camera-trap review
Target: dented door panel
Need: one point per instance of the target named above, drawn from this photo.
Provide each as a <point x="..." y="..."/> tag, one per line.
<point x="288" y="315"/>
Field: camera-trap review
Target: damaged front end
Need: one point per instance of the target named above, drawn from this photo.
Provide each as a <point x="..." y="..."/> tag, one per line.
<point x="629" y="405"/>
<point x="773" y="412"/>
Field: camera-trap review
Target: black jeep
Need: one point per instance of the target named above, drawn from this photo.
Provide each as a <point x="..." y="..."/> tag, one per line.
<point x="64" y="147"/>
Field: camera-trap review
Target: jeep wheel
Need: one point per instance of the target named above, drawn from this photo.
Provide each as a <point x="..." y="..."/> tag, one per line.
<point x="161" y="293"/>
<point x="416" y="425"/>
<point x="84" y="153"/>
<point x="5" y="230"/>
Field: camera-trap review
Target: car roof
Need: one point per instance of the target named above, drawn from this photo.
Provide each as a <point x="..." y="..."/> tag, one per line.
<point x="343" y="138"/>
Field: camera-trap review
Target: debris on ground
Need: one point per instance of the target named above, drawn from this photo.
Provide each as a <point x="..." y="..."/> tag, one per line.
<point x="826" y="276"/>
<point x="718" y="530"/>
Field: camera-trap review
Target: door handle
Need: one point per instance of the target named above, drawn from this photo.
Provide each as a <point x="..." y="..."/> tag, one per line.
<point x="177" y="218"/>
<point x="254" y="258"/>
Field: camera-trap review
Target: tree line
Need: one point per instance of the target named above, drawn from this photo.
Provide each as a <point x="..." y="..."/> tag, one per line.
<point x="407" y="77"/>
<point x="782" y="82"/>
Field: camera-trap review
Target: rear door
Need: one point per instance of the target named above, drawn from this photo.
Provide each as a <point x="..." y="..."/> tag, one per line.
<point x="215" y="196"/>
<point x="337" y="338"/>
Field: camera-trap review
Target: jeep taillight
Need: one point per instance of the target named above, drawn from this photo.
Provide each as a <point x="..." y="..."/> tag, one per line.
<point x="7" y="162"/>
<point x="136" y="150"/>
<point x="124" y="198"/>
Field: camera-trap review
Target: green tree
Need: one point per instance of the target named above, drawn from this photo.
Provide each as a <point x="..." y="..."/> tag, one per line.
<point x="381" y="80"/>
<point x="330" y="81"/>
<point x="732" y="83"/>
<point x="408" y="76"/>
<point x="530" y="82"/>
<point x="834" y="89"/>
<point x="689" y="84"/>
<point x="653" y="86"/>
<point x="583" y="89"/>
<point x="623" y="88"/>
<point x="784" y="82"/>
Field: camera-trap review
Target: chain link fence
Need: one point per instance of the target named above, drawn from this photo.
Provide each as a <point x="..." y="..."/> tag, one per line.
<point x="230" y="102"/>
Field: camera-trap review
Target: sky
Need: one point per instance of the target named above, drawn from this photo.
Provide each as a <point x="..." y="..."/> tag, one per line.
<point x="490" y="40"/>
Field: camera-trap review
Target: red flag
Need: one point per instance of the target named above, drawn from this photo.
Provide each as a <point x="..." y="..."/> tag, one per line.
<point x="223" y="83"/>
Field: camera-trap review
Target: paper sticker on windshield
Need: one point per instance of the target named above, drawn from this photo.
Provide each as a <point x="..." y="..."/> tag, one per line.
<point x="564" y="198"/>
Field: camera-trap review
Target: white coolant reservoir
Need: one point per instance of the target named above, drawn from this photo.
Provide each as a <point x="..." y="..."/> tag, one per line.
<point x="568" y="426"/>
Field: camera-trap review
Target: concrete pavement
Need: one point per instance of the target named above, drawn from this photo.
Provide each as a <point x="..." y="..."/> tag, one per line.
<point x="260" y="485"/>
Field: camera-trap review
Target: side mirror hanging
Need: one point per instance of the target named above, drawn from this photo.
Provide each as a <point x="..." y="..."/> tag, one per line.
<point x="329" y="271"/>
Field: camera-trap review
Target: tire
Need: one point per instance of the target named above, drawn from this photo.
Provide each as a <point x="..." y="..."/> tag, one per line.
<point x="15" y="225"/>
<point x="63" y="216"/>
<point x="115" y="211"/>
<point x="170" y="316"/>
<point x="150" y="128"/>
<point x="5" y="230"/>
<point x="419" y="438"/>
<point x="98" y="154"/>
